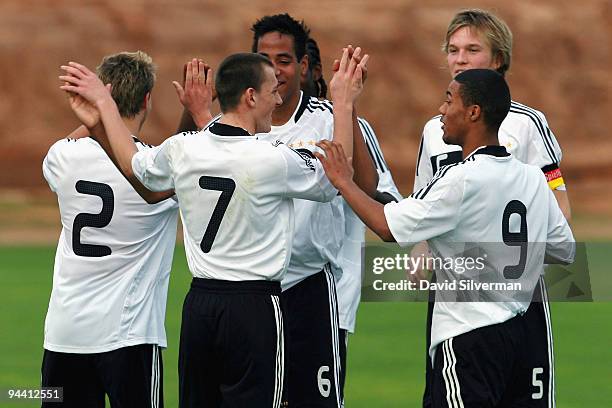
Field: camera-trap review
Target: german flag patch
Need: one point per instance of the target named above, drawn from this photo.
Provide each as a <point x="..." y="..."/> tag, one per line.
<point x="553" y="176"/>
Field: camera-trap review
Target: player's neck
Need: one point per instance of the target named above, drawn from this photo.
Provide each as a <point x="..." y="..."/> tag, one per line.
<point x="283" y="113"/>
<point x="134" y="124"/>
<point x="473" y="143"/>
<point x="237" y="120"/>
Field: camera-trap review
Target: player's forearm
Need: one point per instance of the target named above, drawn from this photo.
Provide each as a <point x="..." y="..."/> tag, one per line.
<point x="343" y="127"/>
<point x="564" y="204"/>
<point x="370" y="211"/>
<point x="122" y="147"/>
<point x="365" y="176"/>
<point x="150" y="197"/>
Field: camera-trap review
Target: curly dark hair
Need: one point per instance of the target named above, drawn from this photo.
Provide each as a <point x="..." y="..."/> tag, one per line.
<point x="284" y="24"/>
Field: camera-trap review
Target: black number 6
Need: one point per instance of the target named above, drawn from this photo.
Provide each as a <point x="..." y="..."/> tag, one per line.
<point x="515" y="238"/>
<point x="101" y="220"/>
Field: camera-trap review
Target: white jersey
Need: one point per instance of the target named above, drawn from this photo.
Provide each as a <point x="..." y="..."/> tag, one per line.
<point x="478" y="202"/>
<point x="114" y="255"/>
<point x="524" y="133"/>
<point x="349" y="285"/>
<point x="235" y="193"/>
<point x="319" y="227"/>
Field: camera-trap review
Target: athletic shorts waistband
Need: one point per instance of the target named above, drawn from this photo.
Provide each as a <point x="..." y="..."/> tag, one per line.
<point x="254" y="286"/>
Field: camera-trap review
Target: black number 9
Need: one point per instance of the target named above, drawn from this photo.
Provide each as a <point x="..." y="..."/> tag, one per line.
<point x="514" y="239"/>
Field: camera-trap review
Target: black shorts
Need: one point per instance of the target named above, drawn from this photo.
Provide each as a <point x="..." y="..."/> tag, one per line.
<point x="311" y="320"/>
<point x="130" y="376"/>
<point x="232" y="347"/>
<point x="539" y="362"/>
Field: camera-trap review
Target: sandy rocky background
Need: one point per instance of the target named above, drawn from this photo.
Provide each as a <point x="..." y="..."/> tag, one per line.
<point x="562" y="61"/>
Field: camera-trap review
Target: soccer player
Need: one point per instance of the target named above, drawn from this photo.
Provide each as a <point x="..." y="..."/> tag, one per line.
<point x="236" y="197"/>
<point x="480" y="350"/>
<point x="309" y="294"/>
<point x="478" y="39"/>
<point x="104" y="329"/>
<point x="349" y="285"/>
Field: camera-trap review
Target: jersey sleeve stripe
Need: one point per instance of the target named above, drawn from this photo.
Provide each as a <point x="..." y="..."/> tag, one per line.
<point x="418" y="162"/>
<point x="542" y="128"/>
<point x="372" y="145"/>
<point x="419" y="195"/>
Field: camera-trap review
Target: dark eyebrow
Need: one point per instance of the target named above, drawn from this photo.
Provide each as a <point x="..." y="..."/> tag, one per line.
<point x="285" y="54"/>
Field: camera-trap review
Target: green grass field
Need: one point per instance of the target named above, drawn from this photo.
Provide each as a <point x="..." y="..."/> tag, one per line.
<point x="385" y="367"/>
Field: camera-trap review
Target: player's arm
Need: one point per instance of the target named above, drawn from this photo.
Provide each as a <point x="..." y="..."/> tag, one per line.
<point x="112" y="133"/>
<point x="560" y="242"/>
<point x="545" y="152"/>
<point x="345" y="86"/>
<point x="340" y="174"/>
<point x="430" y="213"/>
<point x="386" y="190"/>
<point x="304" y="176"/>
<point x="195" y="94"/>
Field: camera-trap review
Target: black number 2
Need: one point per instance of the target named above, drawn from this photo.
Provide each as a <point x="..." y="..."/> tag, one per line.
<point x="515" y="238"/>
<point x="101" y="220"/>
<point x="227" y="187"/>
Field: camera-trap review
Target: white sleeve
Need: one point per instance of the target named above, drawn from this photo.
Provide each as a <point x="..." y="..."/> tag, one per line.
<point x="153" y="166"/>
<point x="428" y="212"/>
<point x="423" y="172"/>
<point x="542" y="147"/>
<point x="305" y="177"/>
<point x="560" y="243"/>
<point x="51" y="166"/>
<point x="385" y="179"/>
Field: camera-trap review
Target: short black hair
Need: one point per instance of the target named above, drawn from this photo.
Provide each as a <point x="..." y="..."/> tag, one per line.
<point x="284" y="24"/>
<point x="487" y="89"/>
<point x="236" y="74"/>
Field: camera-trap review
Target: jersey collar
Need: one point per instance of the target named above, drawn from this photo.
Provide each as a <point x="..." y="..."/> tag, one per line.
<point x="221" y="129"/>
<point x="491" y="150"/>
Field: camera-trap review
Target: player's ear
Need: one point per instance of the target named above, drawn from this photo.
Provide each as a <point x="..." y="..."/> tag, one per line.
<point x="304" y="66"/>
<point x="475" y="113"/>
<point x="146" y="102"/>
<point x="250" y="97"/>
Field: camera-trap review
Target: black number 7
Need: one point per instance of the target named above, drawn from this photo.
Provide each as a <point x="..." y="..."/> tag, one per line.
<point x="515" y="238"/>
<point x="227" y="187"/>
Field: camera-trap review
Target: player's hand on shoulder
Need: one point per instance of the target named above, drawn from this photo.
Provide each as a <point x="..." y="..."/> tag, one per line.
<point x="347" y="82"/>
<point x="196" y="93"/>
<point x="338" y="168"/>
<point x="78" y="79"/>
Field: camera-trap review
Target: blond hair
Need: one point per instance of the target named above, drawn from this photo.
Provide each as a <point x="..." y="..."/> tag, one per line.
<point x="132" y="76"/>
<point x="495" y="30"/>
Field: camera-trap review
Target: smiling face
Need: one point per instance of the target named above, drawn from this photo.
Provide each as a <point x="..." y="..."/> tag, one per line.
<point x="266" y="100"/>
<point x="454" y="116"/>
<point x="279" y="48"/>
<point x="468" y="49"/>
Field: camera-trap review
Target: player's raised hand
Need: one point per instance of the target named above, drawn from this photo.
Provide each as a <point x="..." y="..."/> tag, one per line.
<point x="364" y="69"/>
<point x="88" y="114"/>
<point x="197" y="92"/>
<point x="80" y="80"/>
<point x="347" y="82"/>
<point x="338" y="168"/>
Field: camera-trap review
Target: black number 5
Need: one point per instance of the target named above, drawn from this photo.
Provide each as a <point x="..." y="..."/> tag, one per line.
<point x="515" y="238"/>
<point x="100" y="220"/>
<point x="227" y="187"/>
